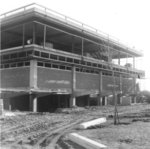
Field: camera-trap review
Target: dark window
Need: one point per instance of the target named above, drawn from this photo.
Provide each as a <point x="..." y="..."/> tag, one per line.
<point x="54" y="66"/>
<point x="76" y="61"/>
<point x="87" y="70"/>
<point x="83" y="63"/>
<point x="69" y="60"/>
<point x="77" y="69"/>
<point x="99" y="65"/>
<point x="48" y="65"/>
<point x="36" y="53"/>
<point x="45" y="55"/>
<point x="68" y="68"/>
<point x="40" y="64"/>
<point x="13" y="65"/>
<point x="88" y="63"/>
<point x="22" y="54"/>
<point x="5" y="57"/>
<point x="52" y="56"/>
<point x="96" y="72"/>
<point x="27" y="63"/>
<point x="29" y="53"/>
<point x="20" y="64"/>
<point x="1" y="66"/>
<point x="104" y="67"/>
<point x="92" y="71"/>
<point x="62" y="67"/>
<point x="94" y="64"/>
<point x="61" y="58"/>
<point x="14" y="55"/>
<point x="6" y="66"/>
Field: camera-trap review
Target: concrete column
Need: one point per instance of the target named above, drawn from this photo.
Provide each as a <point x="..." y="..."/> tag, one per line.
<point x="120" y="88"/>
<point x="105" y="100"/>
<point x="33" y="103"/>
<point x="72" y="98"/>
<point x="120" y="83"/>
<point x="33" y="74"/>
<point x="100" y="88"/>
<point x="101" y="99"/>
<point x="121" y="100"/>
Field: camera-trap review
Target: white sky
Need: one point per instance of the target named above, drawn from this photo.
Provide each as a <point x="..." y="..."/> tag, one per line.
<point x="127" y="20"/>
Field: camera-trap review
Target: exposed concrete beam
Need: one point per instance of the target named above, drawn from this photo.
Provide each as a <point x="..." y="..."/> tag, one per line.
<point x="85" y="142"/>
<point x="95" y="122"/>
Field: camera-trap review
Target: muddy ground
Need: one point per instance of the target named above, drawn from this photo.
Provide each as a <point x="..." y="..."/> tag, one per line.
<point x="49" y="130"/>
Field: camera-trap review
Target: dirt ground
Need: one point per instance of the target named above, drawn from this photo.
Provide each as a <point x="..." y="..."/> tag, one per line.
<point x="27" y="130"/>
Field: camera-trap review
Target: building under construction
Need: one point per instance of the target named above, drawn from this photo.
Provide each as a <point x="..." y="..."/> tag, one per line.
<point x="51" y="61"/>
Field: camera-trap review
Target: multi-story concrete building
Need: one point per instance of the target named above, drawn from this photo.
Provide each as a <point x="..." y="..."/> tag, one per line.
<point x="49" y="60"/>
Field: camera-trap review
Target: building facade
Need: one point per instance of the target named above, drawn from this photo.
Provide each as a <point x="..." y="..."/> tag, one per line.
<point x="49" y="61"/>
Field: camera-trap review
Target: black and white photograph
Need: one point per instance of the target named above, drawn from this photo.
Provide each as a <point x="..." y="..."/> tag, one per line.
<point x="74" y="74"/>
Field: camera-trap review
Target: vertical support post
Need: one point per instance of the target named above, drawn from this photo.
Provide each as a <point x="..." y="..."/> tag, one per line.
<point x="109" y="58"/>
<point x="100" y="88"/>
<point x="73" y="99"/>
<point x="33" y="74"/>
<point x="23" y="34"/>
<point x="33" y="33"/>
<point x="134" y="88"/>
<point x="33" y="102"/>
<point x="44" y="36"/>
<point x="120" y="88"/>
<point x="82" y="50"/>
<point x="9" y="104"/>
<point x="115" y="99"/>
<point x="33" y="85"/>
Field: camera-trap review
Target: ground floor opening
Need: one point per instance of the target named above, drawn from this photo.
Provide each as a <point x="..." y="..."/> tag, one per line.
<point x="42" y="102"/>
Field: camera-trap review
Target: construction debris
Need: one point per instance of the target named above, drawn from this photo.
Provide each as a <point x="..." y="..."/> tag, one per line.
<point x="85" y="142"/>
<point x="95" y="122"/>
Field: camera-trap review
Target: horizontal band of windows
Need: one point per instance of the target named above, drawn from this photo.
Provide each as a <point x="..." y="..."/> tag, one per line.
<point x="18" y="64"/>
<point x="51" y="65"/>
<point x="15" y="55"/>
<point x="60" y="58"/>
<point x="78" y="69"/>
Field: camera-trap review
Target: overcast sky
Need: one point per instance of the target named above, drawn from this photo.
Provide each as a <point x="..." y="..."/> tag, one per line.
<point x="127" y="20"/>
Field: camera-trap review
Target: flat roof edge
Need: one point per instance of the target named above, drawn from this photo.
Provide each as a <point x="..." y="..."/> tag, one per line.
<point x="69" y="22"/>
